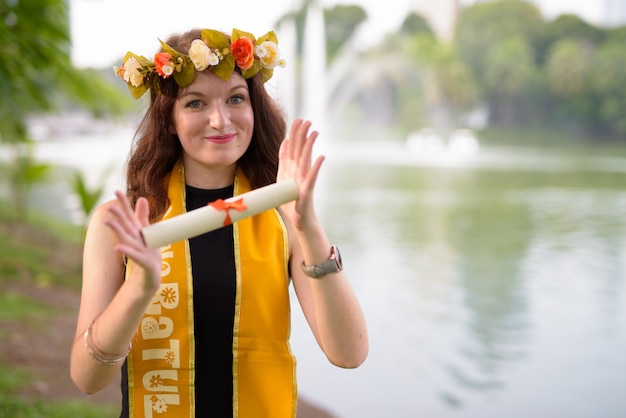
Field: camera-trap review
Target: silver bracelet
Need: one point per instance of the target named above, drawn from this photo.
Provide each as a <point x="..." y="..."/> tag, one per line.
<point x="99" y="356"/>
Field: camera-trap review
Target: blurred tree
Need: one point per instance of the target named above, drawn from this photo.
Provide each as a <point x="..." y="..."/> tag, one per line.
<point x="341" y="23"/>
<point x="616" y="34"/>
<point x="483" y="25"/>
<point x="568" y="66"/>
<point x="608" y="80"/>
<point x="567" y="73"/>
<point x="416" y="24"/>
<point x="565" y="26"/>
<point x="37" y="76"/>
<point x="447" y="90"/>
<point x="509" y="69"/>
<point x="36" y="69"/>
<point x="495" y="41"/>
<point x="24" y="172"/>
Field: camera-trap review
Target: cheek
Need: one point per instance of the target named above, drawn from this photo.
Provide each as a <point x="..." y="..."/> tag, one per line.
<point x="249" y="120"/>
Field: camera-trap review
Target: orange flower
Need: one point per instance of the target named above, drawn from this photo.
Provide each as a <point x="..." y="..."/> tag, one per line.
<point x="163" y="62"/>
<point x="243" y="52"/>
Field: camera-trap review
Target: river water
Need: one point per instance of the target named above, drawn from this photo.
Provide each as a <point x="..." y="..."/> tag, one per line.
<point x="494" y="285"/>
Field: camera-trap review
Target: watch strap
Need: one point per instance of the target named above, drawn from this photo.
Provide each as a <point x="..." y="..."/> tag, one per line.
<point x="332" y="265"/>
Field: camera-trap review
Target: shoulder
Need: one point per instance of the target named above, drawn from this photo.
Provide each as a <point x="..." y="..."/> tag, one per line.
<point x="101" y="212"/>
<point x="98" y="230"/>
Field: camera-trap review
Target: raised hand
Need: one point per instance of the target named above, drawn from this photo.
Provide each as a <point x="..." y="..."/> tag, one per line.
<point x="295" y="161"/>
<point x="127" y="226"/>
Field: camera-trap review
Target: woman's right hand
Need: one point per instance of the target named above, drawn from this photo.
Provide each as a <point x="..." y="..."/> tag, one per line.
<point x="127" y="225"/>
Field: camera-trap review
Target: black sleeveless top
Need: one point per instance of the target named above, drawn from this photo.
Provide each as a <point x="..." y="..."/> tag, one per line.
<point x="214" y="287"/>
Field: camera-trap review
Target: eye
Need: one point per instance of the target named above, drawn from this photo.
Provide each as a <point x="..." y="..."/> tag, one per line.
<point x="194" y="104"/>
<point x="236" y="99"/>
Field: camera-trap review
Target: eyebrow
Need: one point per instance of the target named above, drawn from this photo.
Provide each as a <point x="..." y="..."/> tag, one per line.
<point x="196" y="93"/>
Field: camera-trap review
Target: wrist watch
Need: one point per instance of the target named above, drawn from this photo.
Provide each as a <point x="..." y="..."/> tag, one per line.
<point x="332" y="265"/>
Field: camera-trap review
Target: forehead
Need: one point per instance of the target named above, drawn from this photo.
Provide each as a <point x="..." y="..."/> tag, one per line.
<point x="208" y="80"/>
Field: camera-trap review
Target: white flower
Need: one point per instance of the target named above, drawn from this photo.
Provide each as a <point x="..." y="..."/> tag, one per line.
<point x="214" y="59"/>
<point x="269" y="54"/>
<point x="168" y="70"/>
<point x="200" y="55"/>
<point x="132" y="72"/>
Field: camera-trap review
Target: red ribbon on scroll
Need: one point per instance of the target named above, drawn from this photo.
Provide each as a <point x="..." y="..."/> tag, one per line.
<point x="220" y="204"/>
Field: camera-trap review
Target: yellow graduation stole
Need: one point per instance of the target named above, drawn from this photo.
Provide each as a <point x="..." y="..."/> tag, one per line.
<point x="161" y="363"/>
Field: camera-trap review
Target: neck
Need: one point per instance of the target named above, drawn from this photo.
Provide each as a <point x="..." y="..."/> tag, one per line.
<point x="203" y="177"/>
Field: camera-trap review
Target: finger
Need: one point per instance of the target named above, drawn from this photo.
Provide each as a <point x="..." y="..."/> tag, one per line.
<point x="124" y="222"/>
<point x="311" y="178"/>
<point x="121" y="222"/>
<point x="124" y="203"/>
<point x="142" y="211"/>
<point x="302" y="134"/>
<point x="306" y="155"/>
<point x="293" y="137"/>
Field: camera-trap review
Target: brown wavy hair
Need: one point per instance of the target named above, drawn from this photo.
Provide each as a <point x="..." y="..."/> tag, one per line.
<point x="155" y="150"/>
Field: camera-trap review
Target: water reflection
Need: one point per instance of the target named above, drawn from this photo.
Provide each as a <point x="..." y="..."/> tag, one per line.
<point x="490" y="290"/>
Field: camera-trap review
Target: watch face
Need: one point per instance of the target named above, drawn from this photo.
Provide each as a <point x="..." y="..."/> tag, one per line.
<point x="332" y="265"/>
<point x="336" y="255"/>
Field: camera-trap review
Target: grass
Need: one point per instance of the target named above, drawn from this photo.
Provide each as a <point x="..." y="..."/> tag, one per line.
<point x="14" y="306"/>
<point x="14" y="406"/>
<point x="40" y="252"/>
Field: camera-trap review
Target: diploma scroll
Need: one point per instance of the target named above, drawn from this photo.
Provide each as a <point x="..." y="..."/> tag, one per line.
<point x="219" y="213"/>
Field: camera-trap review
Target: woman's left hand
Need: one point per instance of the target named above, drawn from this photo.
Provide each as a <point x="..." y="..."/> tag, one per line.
<point x="295" y="161"/>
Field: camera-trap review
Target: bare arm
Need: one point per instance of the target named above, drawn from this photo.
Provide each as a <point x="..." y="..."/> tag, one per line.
<point x="329" y="304"/>
<point x="112" y="305"/>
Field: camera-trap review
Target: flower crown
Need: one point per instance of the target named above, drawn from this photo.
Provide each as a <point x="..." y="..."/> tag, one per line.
<point x="214" y="51"/>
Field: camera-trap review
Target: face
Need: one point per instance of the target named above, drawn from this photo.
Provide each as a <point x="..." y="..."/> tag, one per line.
<point x="214" y="122"/>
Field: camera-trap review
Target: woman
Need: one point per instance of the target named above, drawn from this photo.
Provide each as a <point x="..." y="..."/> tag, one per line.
<point x="201" y="326"/>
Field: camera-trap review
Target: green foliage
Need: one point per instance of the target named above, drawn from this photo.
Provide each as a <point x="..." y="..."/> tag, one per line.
<point x="36" y="67"/>
<point x="341" y="22"/>
<point x="416" y="24"/>
<point x="566" y="26"/>
<point x="609" y="83"/>
<point x="482" y="26"/>
<point x="24" y="172"/>
<point x="38" y="77"/>
<point x="568" y="67"/>
<point x="509" y="66"/>
<point x="88" y="197"/>
<point x="549" y="73"/>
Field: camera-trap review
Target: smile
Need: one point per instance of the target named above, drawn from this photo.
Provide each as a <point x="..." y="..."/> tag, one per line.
<point x="221" y="139"/>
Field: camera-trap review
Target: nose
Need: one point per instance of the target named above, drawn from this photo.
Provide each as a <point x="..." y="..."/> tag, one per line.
<point x="218" y="116"/>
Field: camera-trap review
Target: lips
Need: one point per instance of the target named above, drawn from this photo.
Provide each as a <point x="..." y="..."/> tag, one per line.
<point x="221" y="139"/>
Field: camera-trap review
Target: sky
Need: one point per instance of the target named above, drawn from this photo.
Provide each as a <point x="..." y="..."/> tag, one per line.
<point x="104" y="30"/>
